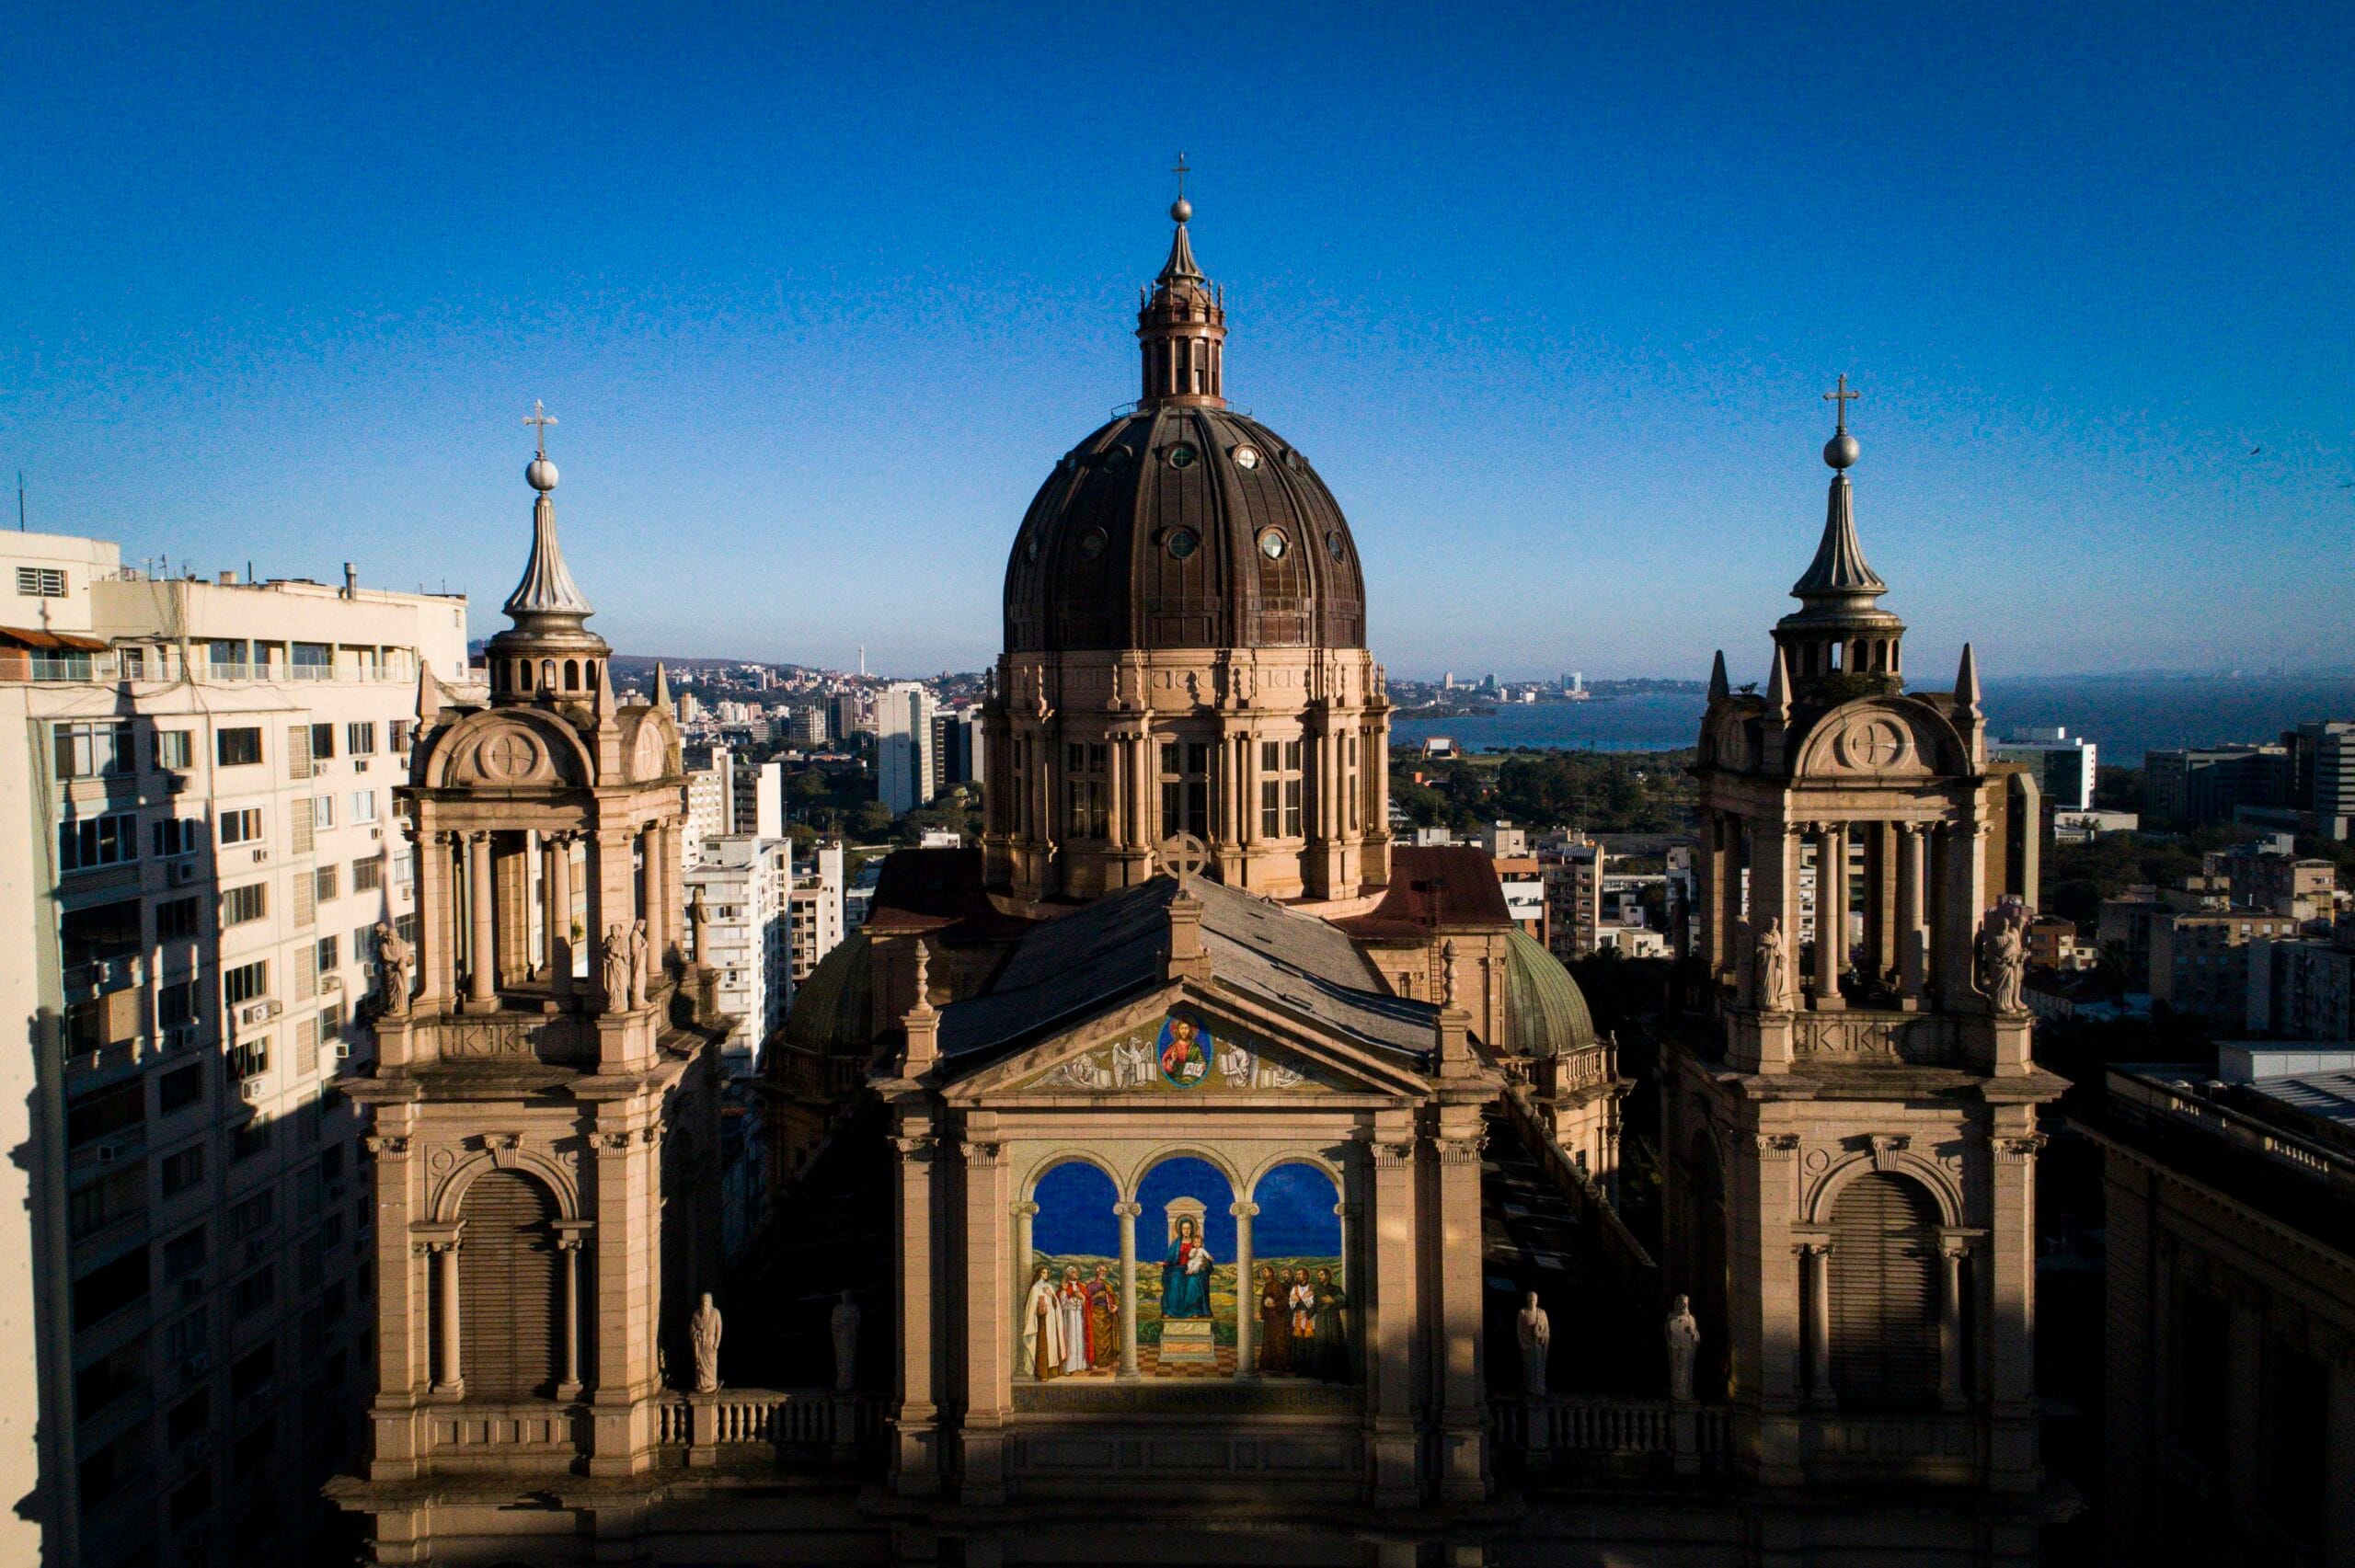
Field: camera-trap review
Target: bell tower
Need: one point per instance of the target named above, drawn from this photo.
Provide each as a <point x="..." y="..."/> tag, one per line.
<point x="545" y="1111"/>
<point x="1852" y="1133"/>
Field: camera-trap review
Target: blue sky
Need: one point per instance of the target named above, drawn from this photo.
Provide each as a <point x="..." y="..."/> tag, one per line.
<point x="1548" y="294"/>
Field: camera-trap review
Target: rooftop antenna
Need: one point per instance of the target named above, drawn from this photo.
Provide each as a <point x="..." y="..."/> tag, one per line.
<point x="20" y="500"/>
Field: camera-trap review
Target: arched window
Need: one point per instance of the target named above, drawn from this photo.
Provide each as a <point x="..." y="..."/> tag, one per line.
<point x="508" y="1302"/>
<point x="522" y="674"/>
<point x="589" y="673"/>
<point x="1071" y="1310"/>
<point x="1304" y="1316"/>
<point x="571" y="675"/>
<point x="1884" y="1280"/>
<point x="1189" y="1208"/>
<point x="548" y="675"/>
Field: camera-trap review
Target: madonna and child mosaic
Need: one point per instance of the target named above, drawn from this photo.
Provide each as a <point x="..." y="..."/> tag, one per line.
<point x="1183" y="1052"/>
<point x="1187" y="1293"/>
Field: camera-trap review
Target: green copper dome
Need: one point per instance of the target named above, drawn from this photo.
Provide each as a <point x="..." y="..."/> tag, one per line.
<point x="833" y="1008"/>
<point x="1546" y="1013"/>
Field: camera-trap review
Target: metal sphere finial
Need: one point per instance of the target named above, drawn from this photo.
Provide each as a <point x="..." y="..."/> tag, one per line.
<point x="1841" y="450"/>
<point x="540" y="473"/>
<point x="1181" y="211"/>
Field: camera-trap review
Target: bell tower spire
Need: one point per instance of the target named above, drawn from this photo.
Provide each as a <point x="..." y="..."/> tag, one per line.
<point x="1182" y="323"/>
<point x="1841" y="630"/>
<point x="549" y="652"/>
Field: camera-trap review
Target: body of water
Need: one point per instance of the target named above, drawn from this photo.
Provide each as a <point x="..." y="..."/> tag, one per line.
<point x="2125" y="717"/>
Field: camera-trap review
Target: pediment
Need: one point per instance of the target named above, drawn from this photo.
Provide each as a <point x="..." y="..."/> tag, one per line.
<point x="1877" y="738"/>
<point x="1180" y="1047"/>
<point x="505" y="749"/>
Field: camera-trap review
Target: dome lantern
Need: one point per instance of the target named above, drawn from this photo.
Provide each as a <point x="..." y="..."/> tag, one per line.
<point x="1182" y="325"/>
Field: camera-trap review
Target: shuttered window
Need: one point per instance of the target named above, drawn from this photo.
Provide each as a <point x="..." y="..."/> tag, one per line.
<point x="507" y="1289"/>
<point x="1884" y="1280"/>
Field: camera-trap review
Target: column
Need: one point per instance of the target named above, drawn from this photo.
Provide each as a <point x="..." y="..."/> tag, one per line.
<point x="1950" y="1390"/>
<point x="989" y="1320"/>
<point x="451" y="1381"/>
<point x="438" y="933"/>
<point x="1773" y="896"/>
<point x="1128" y="1213"/>
<point x="1116" y="802"/>
<point x="1388" y="1318"/>
<point x="1462" y="1398"/>
<point x="569" y="1267"/>
<point x="1961" y="879"/>
<point x="1025" y="1214"/>
<point x="1912" y="937"/>
<point x="916" y="1464"/>
<point x="1246" y="1295"/>
<point x="1831" y="913"/>
<point x="1349" y="1283"/>
<point x="1815" y="1273"/>
<point x="482" y="965"/>
<point x="658" y="903"/>
<point x="556" y="913"/>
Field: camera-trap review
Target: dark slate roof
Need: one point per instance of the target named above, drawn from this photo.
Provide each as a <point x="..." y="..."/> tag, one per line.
<point x="1096" y="957"/>
<point x="938" y="893"/>
<point x="833" y="1008"/>
<point x="1094" y="566"/>
<point x="1433" y="885"/>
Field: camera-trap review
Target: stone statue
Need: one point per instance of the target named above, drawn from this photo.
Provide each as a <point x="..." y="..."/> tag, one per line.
<point x="613" y="965"/>
<point x="697" y="915"/>
<point x="1770" y="995"/>
<point x="2003" y="956"/>
<point x="400" y="963"/>
<point x="1684" y="1337"/>
<point x="1534" y="1330"/>
<point x="637" y="960"/>
<point x="846" y="1326"/>
<point x="703" y="1328"/>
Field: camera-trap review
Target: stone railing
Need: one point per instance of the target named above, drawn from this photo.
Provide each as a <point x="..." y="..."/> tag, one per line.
<point x="1934" y="1445"/>
<point x="742" y="1423"/>
<point x="1919" y="1039"/>
<point x="558" y="1038"/>
<point x="1540" y="1430"/>
<point x="1581" y="1187"/>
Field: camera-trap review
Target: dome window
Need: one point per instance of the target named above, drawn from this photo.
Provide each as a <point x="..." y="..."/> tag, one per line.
<point x="1334" y="547"/>
<point x="1183" y="543"/>
<point x="1116" y="456"/>
<point x="1247" y="458"/>
<point x="1091" y="544"/>
<point x="1182" y="455"/>
<point x="1272" y="544"/>
<point x="1030" y="550"/>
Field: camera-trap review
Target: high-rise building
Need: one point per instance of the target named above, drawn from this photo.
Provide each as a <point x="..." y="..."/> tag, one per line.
<point x="956" y="743"/>
<point x="2302" y="991"/>
<point x="711" y="798"/>
<point x="2062" y="765"/>
<point x="2320" y="787"/>
<point x="744" y="885"/>
<point x="199" y="777"/>
<point x="906" y="765"/>
<point x="817" y="890"/>
<point x="759" y="800"/>
<point x="2198" y="786"/>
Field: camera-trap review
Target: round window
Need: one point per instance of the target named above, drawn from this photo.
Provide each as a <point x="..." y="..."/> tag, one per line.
<point x="1181" y="456"/>
<point x="1334" y="547"/>
<point x="1246" y="457"/>
<point x="1091" y="544"/>
<point x="1273" y="544"/>
<point x="1116" y="456"/>
<point x="1030" y="548"/>
<point x="1182" y="543"/>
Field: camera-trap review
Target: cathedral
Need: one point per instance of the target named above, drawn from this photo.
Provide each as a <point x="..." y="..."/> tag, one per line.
<point x="1187" y="1172"/>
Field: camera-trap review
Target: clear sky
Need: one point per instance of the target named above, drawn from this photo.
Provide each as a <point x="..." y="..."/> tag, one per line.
<point x="1548" y="294"/>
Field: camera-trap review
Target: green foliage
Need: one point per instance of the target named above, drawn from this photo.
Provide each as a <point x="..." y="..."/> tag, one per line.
<point x="2118" y="789"/>
<point x="1615" y="791"/>
<point x="2077" y="877"/>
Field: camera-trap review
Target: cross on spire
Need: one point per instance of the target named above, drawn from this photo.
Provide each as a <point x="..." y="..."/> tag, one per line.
<point x="542" y="419"/>
<point x="1840" y="400"/>
<point x="1181" y="171"/>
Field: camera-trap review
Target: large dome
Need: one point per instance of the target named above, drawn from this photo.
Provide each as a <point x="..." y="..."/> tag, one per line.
<point x="1183" y="525"/>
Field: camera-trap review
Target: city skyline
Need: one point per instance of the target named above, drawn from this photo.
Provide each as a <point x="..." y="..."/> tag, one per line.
<point x="788" y="362"/>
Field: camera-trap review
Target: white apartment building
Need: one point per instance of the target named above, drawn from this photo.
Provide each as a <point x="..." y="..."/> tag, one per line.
<point x="2062" y="765"/>
<point x="200" y="778"/>
<point x="907" y="769"/>
<point x="711" y="808"/>
<point x="817" y="914"/>
<point x="746" y="885"/>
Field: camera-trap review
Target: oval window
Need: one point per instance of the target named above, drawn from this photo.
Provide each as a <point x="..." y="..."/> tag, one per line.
<point x="1116" y="456"/>
<point x="1273" y="544"/>
<point x="1030" y="548"/>
<point x="1334" y="546"/>
<point x="1181" y="456"/>
<point x="1182" y="542"/>
<point x="1246" y="457"/>
<point x="1091" y="544"/>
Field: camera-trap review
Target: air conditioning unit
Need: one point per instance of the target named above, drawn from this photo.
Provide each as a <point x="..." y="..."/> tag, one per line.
<point x="342" y="1050"/>
<point x="109" y="1153"/>
<point x="250" y="1090"/>
<point x="180" y="1038"/>
<point x="260" y="855"/>
<point x="360" y="764"/>
<point x="331" y="982"/>
<point x="178" y="783"/>
<point x="319" y="770"/>
<point x="257" y="1013"/>
<point x="375" y="832"/>
<point x="184" y="872"/>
